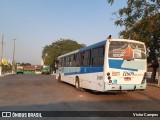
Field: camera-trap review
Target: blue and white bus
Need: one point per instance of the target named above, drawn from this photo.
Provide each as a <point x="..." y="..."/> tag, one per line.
<point x="112" y="64"/>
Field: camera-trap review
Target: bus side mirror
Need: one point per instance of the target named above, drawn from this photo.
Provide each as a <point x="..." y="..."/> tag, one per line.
<point x="56" y="65"/>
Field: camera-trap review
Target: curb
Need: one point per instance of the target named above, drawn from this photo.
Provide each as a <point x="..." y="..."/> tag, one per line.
<point x="6" y="75"/>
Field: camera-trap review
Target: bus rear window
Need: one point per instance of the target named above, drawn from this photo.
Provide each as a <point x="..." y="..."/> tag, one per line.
<point x="126" y="50"/>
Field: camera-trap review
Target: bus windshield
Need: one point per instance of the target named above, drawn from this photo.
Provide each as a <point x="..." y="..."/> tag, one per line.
<point x="126" y="50"/>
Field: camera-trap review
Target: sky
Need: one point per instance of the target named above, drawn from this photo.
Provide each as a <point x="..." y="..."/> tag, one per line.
<point x="37" y="23"/>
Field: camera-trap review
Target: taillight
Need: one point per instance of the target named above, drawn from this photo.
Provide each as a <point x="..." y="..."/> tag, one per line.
<point x="109" y="77"/>
<point x="110" y="81"/>
<point x="108" y="74"/>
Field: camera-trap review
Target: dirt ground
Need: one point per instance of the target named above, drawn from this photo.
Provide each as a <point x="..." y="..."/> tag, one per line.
<point x="45" y="93"/>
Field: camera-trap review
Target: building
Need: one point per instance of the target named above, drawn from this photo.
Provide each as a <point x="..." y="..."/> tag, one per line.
<point x="29" y="69"/>
<point x="38" y="69"/>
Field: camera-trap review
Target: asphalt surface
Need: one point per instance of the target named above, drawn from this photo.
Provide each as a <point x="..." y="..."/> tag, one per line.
<point x="45" y="93"/>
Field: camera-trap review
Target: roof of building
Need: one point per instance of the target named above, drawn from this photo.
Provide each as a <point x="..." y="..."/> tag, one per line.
<point x="38" y="67"/>
<point x="29" y="67"/>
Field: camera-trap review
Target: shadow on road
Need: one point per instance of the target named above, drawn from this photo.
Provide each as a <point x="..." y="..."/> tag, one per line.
<point x="97" y="92"/>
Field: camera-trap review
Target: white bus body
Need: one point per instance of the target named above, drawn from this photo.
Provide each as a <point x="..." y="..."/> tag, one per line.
<point x="113" y="64"/>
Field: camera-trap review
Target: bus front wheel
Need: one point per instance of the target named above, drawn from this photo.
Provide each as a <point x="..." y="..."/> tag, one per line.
<point x="77" y="84"/>
<point x="59" y="78"/>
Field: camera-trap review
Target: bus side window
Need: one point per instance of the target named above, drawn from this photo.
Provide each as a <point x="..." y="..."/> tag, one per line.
<point x="94" y="55"/>
<point x="86" y="58"/>
<point x="97" y="56"/>
<point x="101" y="56"/>
<point x="72" y="60"/>
<point x="59" y="62"/>
<point x="101" y="51"/>
<point x="64" y="62"/>
<point x="67" y="61"/>
<point x="78" y="58"/>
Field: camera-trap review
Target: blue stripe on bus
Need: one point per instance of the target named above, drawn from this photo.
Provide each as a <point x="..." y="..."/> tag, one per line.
<point x="85" y="70"/>
<point x="117" y="65"/>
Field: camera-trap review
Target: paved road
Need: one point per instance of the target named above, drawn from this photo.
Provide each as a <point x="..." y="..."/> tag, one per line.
<point x="44" y="93"/>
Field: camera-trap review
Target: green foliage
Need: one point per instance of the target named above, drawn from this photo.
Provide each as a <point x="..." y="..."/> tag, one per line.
<point x="6" y="68"/>
<point x="23" y="64"/>
<point x="141" y="19"/>
<point x="60" y="47"/>
<point x="110" y="1"/>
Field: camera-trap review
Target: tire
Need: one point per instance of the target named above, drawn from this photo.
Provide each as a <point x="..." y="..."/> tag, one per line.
<point x="59" y="78"/>
<point x="77" y="84"/>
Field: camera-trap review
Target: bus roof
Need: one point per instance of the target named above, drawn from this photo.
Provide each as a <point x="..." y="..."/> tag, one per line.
<point x="101" y="43"/>
<point x="127" y="40"/>
<point x="85" y="48"/>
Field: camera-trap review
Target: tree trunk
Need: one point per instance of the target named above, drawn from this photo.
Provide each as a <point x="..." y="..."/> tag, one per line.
<point x="153" y="76"/>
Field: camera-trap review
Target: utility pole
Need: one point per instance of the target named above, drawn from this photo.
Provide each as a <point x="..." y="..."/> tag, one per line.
<point x="159" y="73"/>
<point x="13" y="61"/>
<point x="1" y="54"/>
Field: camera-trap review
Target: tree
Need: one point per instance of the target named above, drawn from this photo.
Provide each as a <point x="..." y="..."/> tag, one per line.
<point x="141" y="19"/>
<point x="6" y="68"/>
<point x="23" y="64"/>
<point x="60" y="47"/>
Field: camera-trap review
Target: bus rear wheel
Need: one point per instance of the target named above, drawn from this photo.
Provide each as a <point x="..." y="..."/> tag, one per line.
<point x="77" y="85"/>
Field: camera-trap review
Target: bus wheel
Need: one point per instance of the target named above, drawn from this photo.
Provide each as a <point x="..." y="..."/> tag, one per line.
<point x="77" y="84"/>
<point x="59" y="78"/>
